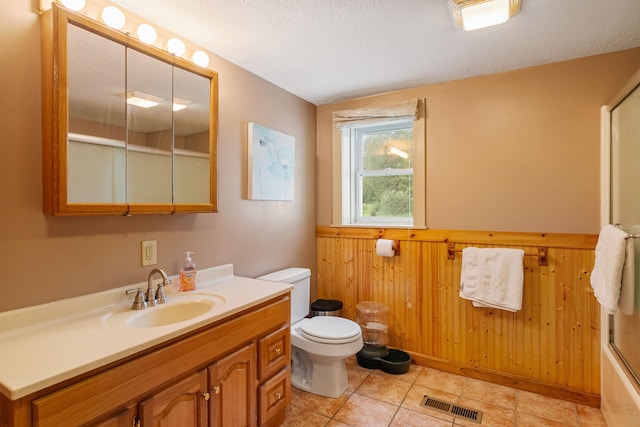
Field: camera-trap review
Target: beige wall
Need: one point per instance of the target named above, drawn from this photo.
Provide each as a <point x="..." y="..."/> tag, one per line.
<point x="43" y="258"/>
<point x="516" y="151"/>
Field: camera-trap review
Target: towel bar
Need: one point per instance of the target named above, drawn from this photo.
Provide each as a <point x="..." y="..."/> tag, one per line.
<point x="630" y="236"/>
<point x="542" y="253"/>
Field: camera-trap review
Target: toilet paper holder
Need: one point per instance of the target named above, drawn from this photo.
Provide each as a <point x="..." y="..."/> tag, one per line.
<point x="395" y="245"/>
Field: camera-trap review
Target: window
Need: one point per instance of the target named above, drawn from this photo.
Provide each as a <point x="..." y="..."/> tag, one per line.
<point x="380" y="153"/>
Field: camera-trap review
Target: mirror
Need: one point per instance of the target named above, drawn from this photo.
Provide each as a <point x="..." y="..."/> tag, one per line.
<point x="127" y="128"/>
<point x="149" y="129"/>
<point x="191" y="135"/>
<point x="96" y="119"/>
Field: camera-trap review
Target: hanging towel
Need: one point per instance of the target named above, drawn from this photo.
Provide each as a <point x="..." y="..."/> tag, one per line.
<point x="612" y="278"/>
<point x="492" y="277"/>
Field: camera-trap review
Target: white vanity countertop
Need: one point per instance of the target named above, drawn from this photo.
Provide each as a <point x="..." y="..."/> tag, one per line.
<point x="49" y="343"/>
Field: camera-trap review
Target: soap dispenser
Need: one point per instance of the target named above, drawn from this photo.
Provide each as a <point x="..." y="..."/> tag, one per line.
<point x="188" y="274"/>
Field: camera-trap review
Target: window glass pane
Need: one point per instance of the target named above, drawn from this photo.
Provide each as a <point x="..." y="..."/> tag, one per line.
<point x="387" y="149"/>
<point x="387" y="196"/>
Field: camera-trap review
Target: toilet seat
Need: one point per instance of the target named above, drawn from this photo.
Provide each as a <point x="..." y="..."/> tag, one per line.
<point x="329" y="330"/>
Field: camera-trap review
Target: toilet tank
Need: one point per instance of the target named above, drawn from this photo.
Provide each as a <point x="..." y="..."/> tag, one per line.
<point x="300" y="278"/>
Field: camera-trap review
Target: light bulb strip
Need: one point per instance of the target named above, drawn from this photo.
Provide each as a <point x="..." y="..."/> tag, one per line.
<point x="93" y="10"/>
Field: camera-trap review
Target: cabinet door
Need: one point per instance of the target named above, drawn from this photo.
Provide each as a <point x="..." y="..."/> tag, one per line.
<point x="233" y="389"/>
<point x="182" y="404"/>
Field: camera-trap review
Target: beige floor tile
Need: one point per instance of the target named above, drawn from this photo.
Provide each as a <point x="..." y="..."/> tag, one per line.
<point x="439" y="380"/>
<point x="495" y="394"/>
<point x="492" y="415"/>
<point x="356" y="374"/>
<point x="415" y="396"/>
<point x="301" y="417"/>
<point x="383" y="388"/>
<point x="375" y="398"/>
<point x="590" y="417"/>
<point x="528" y="420"/>
<point x="326" y="406"/>
<point x="365" y="411"/>
<point x="409" y="377"/>
<point x="546" y="407"/>
<point x="407" y="418"/>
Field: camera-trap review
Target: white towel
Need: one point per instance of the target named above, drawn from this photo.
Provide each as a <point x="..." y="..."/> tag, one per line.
<point x="613" y="270"/>
<point x="492" y="277"/>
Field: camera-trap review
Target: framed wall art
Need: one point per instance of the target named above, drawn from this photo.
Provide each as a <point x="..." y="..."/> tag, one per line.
<point x="271" y="164"/>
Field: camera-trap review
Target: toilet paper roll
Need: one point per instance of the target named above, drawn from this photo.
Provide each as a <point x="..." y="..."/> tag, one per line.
<point x="384" y="247"/>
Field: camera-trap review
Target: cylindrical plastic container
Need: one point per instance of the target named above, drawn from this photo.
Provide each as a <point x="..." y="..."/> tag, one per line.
<point x="373" y="318"/>
<point x="326" y="307"/>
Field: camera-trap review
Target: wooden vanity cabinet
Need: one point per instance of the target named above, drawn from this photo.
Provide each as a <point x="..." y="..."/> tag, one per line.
<point x="234" y="372"/>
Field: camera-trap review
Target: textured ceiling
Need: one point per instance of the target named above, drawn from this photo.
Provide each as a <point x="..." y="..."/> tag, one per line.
<point x="329" y="50"/>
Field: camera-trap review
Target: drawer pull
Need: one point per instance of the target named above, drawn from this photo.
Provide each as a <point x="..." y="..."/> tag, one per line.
<point x="206" y="396"/>
<point x="277" y="395"/>
<point x="216" y="389"/>
<point x="278" y="351"/>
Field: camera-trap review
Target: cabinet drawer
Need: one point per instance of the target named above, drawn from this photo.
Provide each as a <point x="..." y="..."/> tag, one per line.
<point x="273" y="352"/>
<point x="274" y="397"/>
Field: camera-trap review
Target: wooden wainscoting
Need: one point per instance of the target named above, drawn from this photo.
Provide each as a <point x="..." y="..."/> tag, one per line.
<point x="551" y="346"/>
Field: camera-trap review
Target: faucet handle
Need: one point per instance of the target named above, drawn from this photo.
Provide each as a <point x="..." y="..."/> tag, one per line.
<point x="161" y="298"/>
<point x="138" y="302"/>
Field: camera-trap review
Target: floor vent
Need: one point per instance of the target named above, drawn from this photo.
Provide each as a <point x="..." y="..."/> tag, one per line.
<point x="450" y="408"/>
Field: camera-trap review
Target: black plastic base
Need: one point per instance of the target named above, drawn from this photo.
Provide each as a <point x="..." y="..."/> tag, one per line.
<point x="390" y="360"/>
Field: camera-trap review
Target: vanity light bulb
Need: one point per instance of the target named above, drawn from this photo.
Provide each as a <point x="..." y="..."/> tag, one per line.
<point x="200" y="58"/>
<point x="175" y="46"/>
<point x="146" y="33"/>
<point x="113" y="17"/>
<point x="75" y="5"/>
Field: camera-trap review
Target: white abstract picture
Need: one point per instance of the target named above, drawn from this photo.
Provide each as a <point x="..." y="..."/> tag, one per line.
<point x="271" y="164"/>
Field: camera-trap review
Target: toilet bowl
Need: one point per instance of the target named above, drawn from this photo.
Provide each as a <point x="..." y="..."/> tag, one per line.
<point x="319" y="345"/>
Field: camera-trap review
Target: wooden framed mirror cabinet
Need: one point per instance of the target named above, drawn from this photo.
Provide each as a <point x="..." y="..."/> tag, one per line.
<point x="127" y="127"/>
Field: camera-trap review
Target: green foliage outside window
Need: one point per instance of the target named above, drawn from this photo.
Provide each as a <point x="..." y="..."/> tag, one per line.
<point x="389" y="194"/>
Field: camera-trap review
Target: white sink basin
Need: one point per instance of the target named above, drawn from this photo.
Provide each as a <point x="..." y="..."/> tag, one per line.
<point x="178" y="309"/>
<point x="163" y="315"/>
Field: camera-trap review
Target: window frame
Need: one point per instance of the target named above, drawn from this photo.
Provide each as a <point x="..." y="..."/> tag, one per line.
<point x="344" y="213"/>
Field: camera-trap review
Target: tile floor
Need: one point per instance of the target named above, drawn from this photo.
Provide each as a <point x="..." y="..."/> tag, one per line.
<point x="375" y="398"/>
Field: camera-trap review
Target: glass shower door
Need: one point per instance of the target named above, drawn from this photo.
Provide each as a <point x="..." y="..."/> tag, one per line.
<point x="625" y="210"/>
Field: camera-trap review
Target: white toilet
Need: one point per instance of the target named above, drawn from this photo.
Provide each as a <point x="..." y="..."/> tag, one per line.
<point x="319" y="344"/>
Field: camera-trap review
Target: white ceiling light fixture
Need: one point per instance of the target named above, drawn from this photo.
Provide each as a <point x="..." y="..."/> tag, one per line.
<point x="476" y="14"/>
<point x="146" y="33"/>
<point x="141" y="99"/>
<point x="176" y="47"/>
<point x="113" y="17"/>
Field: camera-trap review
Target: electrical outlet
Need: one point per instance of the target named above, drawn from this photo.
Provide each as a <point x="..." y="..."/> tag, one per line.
<point x="149" y="255"/>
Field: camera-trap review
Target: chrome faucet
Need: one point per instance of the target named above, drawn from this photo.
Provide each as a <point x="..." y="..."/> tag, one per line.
<point x="159" y="297"/>
<point x="150" y="299"/>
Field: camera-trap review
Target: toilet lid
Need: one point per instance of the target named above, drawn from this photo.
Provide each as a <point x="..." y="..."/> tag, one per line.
<point x="329" y="329"/>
